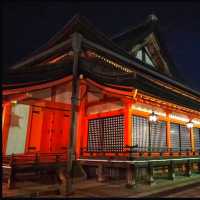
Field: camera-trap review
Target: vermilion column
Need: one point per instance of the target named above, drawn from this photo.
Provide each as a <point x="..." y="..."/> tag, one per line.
<point x="5" y="124"/>
<point x="128" y="122"/>
<point x="168" y="131"/>
<point x="81" y="130"/>
<point x="192" y="139"/>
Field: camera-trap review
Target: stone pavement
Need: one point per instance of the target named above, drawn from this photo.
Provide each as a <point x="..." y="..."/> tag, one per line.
<point x="92" y="188"/>
<point x="193" y="192"/>
<point x="117" y="189"/>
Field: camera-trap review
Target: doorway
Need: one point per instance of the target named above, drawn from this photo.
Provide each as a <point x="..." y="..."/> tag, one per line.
<point x="49" y="131"/>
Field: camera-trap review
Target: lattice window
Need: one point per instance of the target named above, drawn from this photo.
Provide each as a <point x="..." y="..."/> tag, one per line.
<point x="158" y="136"/>
<point x="185" y="138"/>
<point x="175" y="136"/>
<point x="106" y="134"/>
<point x="140" y="135"/>
<point x="95" y="135"/>
<point x="196" y="132"/>
<point x="180" y="137"/>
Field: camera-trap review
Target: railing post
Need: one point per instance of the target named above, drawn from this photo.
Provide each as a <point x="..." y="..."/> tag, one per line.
<point x="11" y="179"/>
<point x="100" y="173"/>
<point x="150" y="173"/>
<point x="188" y="168"/>
<point x="171" y="171"/>
<point x="131" y="176"/>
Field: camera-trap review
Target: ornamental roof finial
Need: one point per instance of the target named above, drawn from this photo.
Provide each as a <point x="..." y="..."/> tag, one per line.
<point x="152" y="17"/>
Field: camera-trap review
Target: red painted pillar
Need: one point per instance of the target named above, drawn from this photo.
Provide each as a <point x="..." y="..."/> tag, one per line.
<point x="5" y="124"/>
<point x="127" y="122"/>
<point x="81" y="130"/>
<point x="168" y="133"/>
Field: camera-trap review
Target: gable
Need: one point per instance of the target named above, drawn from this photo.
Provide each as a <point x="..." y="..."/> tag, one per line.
<point x="142" y="55"/>
<point x="149" y="52"/>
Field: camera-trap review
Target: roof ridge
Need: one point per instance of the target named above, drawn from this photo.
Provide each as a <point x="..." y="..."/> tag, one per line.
<point x="150" y="20"/>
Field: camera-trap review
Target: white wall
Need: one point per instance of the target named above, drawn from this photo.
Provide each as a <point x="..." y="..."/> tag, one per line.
<point x="18" y="129"/>
<point x="104" y="108"/>
<point x="42" y="94"/>
<point x="63" y="93"/>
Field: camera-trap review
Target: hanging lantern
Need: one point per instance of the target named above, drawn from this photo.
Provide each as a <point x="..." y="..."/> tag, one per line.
<point x="189" y="124"/>
<point x="153" y="117"/>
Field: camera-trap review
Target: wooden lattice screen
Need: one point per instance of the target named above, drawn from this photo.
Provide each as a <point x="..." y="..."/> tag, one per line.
<point x="140" y="134"/>
<point x="180" y="137"/>
<point x="106" y="134"/>
<point x="197" y="138"/>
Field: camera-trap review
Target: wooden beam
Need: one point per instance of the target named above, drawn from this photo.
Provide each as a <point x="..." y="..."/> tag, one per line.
<point x="37" y="87"/>
<point x="106" y="114"/>
<point x="110" y="91"/>
<point x="44" y="54"/>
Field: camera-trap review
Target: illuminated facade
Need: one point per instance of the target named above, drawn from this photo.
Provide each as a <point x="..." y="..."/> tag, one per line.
<point x="119" y="83"/>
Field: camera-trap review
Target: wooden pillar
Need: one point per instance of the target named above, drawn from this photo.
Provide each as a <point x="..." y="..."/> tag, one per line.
<point x="6" y="116"/>
<point x="127" y="122"/>
<point x="192" y="139"/>
<point x="150" y="174"/>
<point x="11" y="178"/>
<point x="76" y="46"/>
<point x="81" y="117"/>
<point x="131" y="176"/>
<point x="188" y="171"/>
<point x="171" y="170"/>
<point x="198" y="166"/>
<point x="100" y="173"/>
<point x="168" y="133"/>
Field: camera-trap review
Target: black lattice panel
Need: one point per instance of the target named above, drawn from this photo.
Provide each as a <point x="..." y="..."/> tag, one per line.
<point x="185" y="138"/>
<point x="95" y="135"/>
<point x="106" y="134"/>
<point x="113" y="133"/>
<point x="196" y="132"/>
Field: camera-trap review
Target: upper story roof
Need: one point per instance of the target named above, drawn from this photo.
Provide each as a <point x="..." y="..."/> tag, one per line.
<point x="118" y="48"/>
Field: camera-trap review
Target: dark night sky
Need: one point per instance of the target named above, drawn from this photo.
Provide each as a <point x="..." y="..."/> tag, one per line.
<point x="27" y="26"/>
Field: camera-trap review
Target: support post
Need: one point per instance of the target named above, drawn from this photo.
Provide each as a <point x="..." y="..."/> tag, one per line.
<point x="131" y="176"/>
<point x="198" y="165"/>
<point x="81" y="117"/>
<point x="128" y="122"/>
<point x="192" y="139"/>
<point x="100" y="173"/>
<point x="168" y="132"/>
<point x="171" y="171"/>
<point x="11" y="178"/>
<point x="150" y="174"/>
<point x="149" y="145"/>
<point x="188" y="171"/>
<point x="76" y="46"/>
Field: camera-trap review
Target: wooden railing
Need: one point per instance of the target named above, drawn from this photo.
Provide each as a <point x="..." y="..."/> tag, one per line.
<point x="135" y="152"/>
<point x="34" y="158"/>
